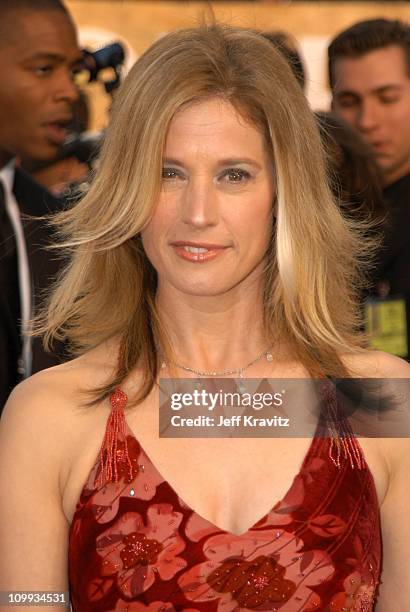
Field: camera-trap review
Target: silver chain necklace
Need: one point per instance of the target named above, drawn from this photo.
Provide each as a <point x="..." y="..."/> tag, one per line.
<point x="238" y="371"/>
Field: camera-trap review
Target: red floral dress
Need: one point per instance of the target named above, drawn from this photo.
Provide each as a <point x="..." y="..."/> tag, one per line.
<point x="136" y="545"/>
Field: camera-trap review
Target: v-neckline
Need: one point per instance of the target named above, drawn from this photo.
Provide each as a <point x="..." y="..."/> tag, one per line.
<point x="212" y="525"/>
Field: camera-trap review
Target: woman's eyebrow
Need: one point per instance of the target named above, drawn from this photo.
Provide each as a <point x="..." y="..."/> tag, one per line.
<point x="172" y="161"/>
<point x="231" y="161"/>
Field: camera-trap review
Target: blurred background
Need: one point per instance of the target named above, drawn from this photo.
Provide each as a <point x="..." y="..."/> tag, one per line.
<point x="138" y="23"/>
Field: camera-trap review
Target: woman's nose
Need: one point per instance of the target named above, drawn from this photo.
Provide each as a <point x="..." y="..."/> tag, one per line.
<point x="200" y="204"/>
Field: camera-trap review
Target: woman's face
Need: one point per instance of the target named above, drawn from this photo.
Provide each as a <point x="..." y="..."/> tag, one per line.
<point x="212" y="226"/>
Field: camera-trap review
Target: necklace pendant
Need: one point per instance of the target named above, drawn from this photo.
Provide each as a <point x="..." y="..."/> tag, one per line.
<point x="241" y="387"/>
<point x="269" y="357"/>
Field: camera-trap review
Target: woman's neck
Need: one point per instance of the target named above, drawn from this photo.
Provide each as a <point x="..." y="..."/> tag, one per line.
<point x="213" y="332"/>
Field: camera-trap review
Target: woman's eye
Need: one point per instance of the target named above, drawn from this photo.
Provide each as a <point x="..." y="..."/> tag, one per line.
<point x="169" y="174"/>
<point x="236" y="175"/>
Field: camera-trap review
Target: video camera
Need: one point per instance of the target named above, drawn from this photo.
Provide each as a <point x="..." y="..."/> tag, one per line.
<point x="111" y="56"/>
<point x="85" y="146"/>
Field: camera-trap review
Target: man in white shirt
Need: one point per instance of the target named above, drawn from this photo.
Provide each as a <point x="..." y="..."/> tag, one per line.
<point x="39" y="54"/>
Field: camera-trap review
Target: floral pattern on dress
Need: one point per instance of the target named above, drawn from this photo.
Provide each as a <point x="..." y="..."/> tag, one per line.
<point x="135" y="606"/>
<point x="145" y="482"/>
<point x="156" y="606"/>
<point x="359" y="587"/>
<point x="263" y="568"/>
<point x="136" y="545"/>
<point x="137" y="553"/>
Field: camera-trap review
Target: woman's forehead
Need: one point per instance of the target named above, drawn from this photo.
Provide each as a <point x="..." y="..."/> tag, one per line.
<point x="210" y="105"/>
<point x="214" y="118"/>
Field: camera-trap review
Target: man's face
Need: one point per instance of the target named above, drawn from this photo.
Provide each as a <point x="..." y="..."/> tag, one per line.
<point x="37" y="91"/>
<point x="372" y="93"/>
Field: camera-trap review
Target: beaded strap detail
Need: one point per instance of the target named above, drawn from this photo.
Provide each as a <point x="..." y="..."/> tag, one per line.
<point x="115" y="435"/>
<point x="342" y="440"/>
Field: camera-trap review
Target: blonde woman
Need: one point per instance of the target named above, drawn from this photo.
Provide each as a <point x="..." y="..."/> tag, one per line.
<point x="209" y="243"/>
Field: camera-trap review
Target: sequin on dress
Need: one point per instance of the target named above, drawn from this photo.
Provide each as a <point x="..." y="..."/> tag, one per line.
<point x="135" y="545"/>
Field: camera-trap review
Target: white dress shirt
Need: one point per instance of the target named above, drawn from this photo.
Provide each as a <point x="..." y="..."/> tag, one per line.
<point x="12" y="209"/>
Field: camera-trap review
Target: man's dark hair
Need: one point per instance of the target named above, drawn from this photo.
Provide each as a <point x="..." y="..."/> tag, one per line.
<point x="7" y="6"/>
<point x="283" y="43"/>
<point x="366" y="36"/>
<point x="10" y="8"/>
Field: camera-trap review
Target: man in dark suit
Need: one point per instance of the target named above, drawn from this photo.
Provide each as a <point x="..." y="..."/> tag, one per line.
<point x="369" y="74"/>
<point x="39" y="55"/>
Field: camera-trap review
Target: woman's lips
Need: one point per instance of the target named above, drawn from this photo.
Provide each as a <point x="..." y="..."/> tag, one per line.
<point x="198" y="253"/>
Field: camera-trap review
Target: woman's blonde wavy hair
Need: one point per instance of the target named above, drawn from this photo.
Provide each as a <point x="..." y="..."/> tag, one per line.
<point x="313" y="271"/>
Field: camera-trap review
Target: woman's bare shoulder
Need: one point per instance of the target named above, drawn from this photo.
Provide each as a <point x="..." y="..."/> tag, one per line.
<point x="376" y="364"/>
<point x="392" y="442"/>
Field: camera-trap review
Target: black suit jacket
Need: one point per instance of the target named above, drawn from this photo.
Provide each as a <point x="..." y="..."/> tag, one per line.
<point x="394" y="257"/>
<point x="35" y="201"/>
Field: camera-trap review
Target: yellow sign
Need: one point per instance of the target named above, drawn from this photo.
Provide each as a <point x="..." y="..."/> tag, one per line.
<point x="386" y="325"/>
